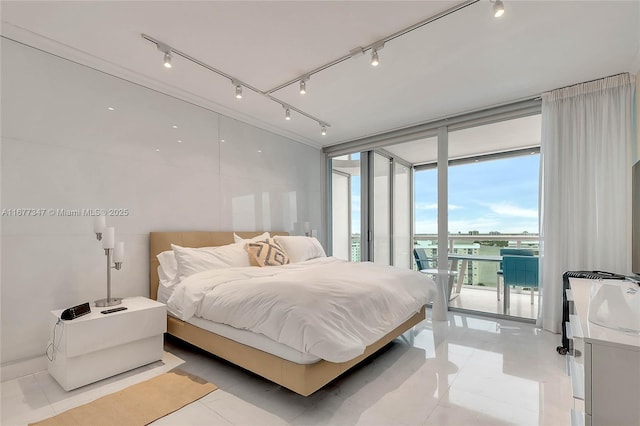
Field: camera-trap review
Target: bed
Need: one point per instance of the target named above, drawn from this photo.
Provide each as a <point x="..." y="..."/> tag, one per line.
<point x="303" y="376"/>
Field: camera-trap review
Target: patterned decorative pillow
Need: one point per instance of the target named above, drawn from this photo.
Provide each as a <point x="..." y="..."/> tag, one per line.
<point x="267" y="253"/>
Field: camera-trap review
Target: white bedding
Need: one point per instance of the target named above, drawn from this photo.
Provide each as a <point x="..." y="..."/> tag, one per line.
<point x="325" y="307"/>
<point x="246" y="337"/>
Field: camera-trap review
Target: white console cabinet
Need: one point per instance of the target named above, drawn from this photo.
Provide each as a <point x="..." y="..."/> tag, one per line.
<point x="96" y="346"/>
<point x="604" y="365"/>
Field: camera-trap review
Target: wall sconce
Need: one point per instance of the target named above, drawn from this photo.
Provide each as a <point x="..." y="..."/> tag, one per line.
<point x="111" y="248"/>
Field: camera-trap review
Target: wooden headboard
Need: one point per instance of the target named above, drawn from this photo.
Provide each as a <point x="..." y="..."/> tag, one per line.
<point x="161" y="241"/>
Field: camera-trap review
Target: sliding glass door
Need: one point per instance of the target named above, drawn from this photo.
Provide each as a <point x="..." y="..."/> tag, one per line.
<point x="380" y="219"/>
<point x="345" y="207"/>
<point x="401" y="219"/>
<point x="341" y="214"/>
<point x="371" y="218"/>
<point x="468" y="189"/>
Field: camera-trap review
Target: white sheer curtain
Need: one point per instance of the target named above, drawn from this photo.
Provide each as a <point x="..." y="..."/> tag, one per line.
<point x="585" y="217"/>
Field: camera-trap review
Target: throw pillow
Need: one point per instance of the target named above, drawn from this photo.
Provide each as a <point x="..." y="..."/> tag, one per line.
<point x="267" y="253"/>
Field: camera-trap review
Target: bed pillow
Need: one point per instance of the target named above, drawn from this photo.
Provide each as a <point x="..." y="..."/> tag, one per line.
<point x="193" y="260"/>
<point x="165" y="287"/>
<point x="267" y="253"/>
<point x="262" y="237"/>
<point x="300" y="248"/>
<point x="168" y="265"/>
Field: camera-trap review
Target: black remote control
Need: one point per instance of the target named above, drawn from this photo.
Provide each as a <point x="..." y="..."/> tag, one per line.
<point x="110" y="311"/>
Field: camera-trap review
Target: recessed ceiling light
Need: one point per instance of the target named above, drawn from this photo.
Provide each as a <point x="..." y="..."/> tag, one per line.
<point x="222" y="140"/>
<point x="174" y="126"/>
<point x="111" y="108"/>
<point x="179" y="141"/>
<point x="259" y="151"/>
<point x="157" y="149"/>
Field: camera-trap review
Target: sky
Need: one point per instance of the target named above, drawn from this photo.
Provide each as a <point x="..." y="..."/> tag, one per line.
<point x="498" y="195"/>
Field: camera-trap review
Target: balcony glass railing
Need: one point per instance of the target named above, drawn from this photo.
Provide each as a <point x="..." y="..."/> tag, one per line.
<point x="479" y="273"/>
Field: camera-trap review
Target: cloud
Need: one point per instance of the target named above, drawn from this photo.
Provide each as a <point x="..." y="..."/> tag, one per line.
<point x="433" y="206"/>
<point x="426" y="226"/>
<point x="508" y="209"/>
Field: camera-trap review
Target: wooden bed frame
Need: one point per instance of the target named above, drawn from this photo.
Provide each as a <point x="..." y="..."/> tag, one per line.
<point x="303" y="379"/>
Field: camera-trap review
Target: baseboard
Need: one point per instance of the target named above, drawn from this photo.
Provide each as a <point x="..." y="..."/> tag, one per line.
<point x="23" y="367"/>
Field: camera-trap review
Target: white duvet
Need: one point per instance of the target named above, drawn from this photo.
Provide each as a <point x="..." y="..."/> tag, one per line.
<point x="326" y="307"/>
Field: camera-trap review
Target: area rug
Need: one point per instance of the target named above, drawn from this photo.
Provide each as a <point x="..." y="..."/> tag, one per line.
<point x="139" y="404"/>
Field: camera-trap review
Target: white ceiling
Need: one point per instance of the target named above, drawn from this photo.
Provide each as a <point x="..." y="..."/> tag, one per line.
<point x="463" y="62"/>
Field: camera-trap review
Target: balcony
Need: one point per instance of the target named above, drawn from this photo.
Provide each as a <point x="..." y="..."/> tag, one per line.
<point x="479" y="287"/>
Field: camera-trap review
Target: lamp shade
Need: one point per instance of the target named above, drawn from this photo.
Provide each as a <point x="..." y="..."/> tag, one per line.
<point x="118" y="253"/>
<point x="108" y="237"/>
<point x="99" y="223"/>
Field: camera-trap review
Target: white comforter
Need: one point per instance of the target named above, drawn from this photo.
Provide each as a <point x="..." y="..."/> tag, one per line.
<point x="326" y="307"/>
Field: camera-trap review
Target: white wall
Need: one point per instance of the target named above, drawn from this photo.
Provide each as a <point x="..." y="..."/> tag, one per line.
<point x="63" y="149"/>
<point x="636" y="147"/>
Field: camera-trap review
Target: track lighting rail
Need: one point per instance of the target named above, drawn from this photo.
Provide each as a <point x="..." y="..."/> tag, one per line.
<point x="376" y="44"/>
<point x="235" y="81"/>
<point x="302" y="79"/>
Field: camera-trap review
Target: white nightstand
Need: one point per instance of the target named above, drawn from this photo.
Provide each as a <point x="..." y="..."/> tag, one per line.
<point x="96" y="346"/>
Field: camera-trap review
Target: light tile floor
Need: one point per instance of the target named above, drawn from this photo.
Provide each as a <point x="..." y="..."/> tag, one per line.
<point x="483" y="299"/>
<point x="467" y="371"/>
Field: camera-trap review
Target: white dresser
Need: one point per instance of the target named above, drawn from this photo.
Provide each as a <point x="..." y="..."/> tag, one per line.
<point x="96" y="346"/>
<point x="604" y="365"/>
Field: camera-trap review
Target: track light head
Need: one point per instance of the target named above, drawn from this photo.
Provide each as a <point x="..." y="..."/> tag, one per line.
<point x="323" y="130"/>
<point x="238" y="90"/>
<point x="287" y="114"/>
<point x="303" y="84"/>
<point x="498" y="8"/>
<point x="375" y="61"/>
<point x="167" y="53"/>
<point x="167" y="59"/>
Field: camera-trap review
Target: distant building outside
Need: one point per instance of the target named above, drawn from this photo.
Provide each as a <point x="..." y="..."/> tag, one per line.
<point x="355" y="248"/>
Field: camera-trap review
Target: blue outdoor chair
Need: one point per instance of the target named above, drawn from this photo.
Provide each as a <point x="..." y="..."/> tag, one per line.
<point x="425" y="263"/>
<point x="520" y="271"/>
<point x="509" y="251"/>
